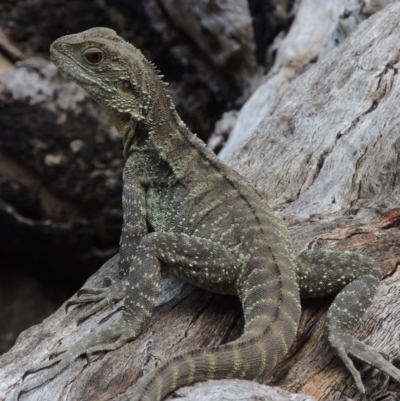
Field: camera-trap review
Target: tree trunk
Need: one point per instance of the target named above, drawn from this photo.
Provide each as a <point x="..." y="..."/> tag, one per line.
<point x="317" y="28"/>
<point x="326" y="158"/>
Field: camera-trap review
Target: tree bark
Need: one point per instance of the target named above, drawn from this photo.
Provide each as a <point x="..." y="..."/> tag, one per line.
<point x="326" y="159"/>
<point x="317" y="28"/>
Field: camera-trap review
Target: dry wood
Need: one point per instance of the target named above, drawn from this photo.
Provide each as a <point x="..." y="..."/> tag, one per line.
<point x="318" y="27"/>
<point x="327" y="160"/>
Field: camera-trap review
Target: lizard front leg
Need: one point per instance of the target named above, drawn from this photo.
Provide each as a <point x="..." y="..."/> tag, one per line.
<point x="141" y="296"/>
<point x="355" y="278"/>
<point x="133" y="230"/>
<point x="133" y="272"/>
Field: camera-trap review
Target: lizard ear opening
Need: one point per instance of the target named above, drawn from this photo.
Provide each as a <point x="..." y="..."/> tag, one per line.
<point x="125" y="87"/>
<point x="93" y="56"/>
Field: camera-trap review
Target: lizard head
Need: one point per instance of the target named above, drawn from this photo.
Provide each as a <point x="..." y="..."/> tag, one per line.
<point x="112" y="71"/>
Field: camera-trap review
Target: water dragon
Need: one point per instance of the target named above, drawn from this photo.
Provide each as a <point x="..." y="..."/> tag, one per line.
<point x="187" y="213"/>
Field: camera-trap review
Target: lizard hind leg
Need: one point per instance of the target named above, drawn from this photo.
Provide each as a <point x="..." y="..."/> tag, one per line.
<point x="271" y="310"/>
<point x="355" y="278"/>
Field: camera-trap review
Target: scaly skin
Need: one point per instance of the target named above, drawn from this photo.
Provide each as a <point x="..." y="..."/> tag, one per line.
<point x="211" y="228"/>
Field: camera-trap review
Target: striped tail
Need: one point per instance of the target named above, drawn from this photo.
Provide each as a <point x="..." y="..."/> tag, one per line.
<point x="271" y="309"/>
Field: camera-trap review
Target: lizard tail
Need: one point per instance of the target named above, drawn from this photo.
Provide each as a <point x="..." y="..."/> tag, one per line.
<point x="271" y="319"/>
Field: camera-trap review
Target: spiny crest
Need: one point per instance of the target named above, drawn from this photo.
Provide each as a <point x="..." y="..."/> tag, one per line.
<point x="153" y="68"/>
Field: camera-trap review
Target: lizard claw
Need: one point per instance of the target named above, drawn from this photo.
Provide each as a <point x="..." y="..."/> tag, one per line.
<point x="110" y="338"/>
<point x="101" y="297"/>
<point x="84" y="300"/>
<point x="345" y="344"/>
<point x="107" y="282"/>
<point x="61" y="362"/>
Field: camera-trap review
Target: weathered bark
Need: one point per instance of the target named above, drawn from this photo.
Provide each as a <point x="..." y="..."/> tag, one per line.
<point x="327" y="160"/>
<point x="318" y="27"/>
<point x="236" y="390"/>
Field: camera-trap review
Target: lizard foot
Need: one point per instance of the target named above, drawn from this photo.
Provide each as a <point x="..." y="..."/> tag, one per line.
<point x="111" y="292"/>
<point x="345" y="344"/>
<point x="108" y="339"/>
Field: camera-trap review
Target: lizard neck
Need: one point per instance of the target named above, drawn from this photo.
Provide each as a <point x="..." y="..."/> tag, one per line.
<point x="161" y="130"/>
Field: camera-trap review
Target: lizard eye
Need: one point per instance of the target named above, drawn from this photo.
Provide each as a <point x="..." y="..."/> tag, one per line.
<point x="93" y="56"/>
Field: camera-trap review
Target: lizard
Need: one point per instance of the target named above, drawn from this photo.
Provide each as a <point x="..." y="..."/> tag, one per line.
<point x="188" y="214"/>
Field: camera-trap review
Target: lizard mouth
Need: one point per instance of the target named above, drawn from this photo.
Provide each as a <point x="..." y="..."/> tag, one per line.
<point x="53" y="57"/>
<point x="55" y="54"/>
